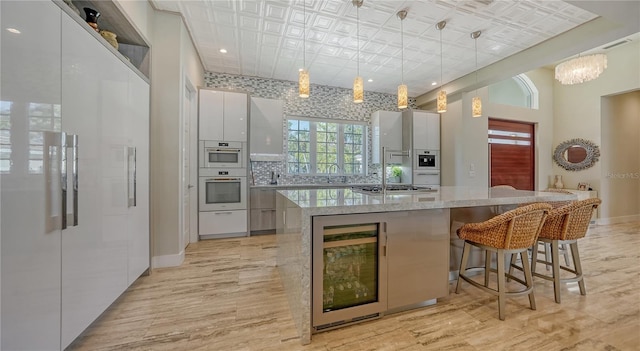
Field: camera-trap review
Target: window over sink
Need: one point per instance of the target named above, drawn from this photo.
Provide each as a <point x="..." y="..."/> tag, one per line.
<point x="323" y="146"/>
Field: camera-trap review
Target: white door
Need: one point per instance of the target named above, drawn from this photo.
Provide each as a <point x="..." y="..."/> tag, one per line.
<point x="188" y="186"/>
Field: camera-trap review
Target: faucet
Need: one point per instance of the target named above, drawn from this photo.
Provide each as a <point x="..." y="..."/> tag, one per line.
<point x="337" y="171"/>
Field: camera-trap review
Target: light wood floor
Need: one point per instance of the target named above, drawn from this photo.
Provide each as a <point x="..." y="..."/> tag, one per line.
<point x="227" y="296"/>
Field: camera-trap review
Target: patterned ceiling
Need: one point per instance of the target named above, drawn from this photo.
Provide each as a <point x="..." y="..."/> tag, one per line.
<point x="265" y="38"/>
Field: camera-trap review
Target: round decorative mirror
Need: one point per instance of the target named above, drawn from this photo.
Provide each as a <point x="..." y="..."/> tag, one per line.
<point x="576" y="154"/>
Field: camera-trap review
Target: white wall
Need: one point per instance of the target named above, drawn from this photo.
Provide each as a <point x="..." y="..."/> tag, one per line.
<point x="621" y="165"/>
<point x="174" y="60"/>
<point x="140" y="14"/>
<point x="464" y="138"/>
<point x="577" y="114"/>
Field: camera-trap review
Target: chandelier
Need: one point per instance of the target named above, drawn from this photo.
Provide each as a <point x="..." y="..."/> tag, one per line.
<point x="581" y="69"/>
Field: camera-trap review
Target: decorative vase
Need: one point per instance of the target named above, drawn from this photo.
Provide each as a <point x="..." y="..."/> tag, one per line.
<point x="92" y="18"/>
<point x="558" y="183"/>
<point x="110" y="37"/>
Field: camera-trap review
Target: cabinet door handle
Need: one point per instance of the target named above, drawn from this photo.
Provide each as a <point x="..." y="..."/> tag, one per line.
<point x="223" y="213"/>
<point x="131" y="177"/>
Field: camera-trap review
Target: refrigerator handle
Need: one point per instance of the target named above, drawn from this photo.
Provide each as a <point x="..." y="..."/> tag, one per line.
<point x="132" y="193"/>
<point x="63" y="179"/>
<point x="69" y="141"/>
<point x="74" y="146"/>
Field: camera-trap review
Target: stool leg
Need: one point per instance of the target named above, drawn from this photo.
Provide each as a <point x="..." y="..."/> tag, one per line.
<point x="487" y="267"/>
<point x="512" y="263"/>
<point x="578" y="267"/>
<point x="566" y="254"/>
<point x="555" y="263"/>
<point x="528" y="278"/>
<point x="463" y="264"/>
<point x="547" y="254"/>
<point x="534" y="257"/>
<point x="501" y="285"/>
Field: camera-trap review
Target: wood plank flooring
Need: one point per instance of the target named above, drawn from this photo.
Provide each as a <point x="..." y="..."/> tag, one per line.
<point x="227" y="296"/>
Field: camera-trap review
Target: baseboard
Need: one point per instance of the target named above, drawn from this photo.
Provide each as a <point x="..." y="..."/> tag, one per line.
<point x="617" y="220"/>
<point x="167" y="260"/>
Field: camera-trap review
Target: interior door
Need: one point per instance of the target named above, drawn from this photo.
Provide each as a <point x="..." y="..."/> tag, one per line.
<point x="30" y="176"/>
<point x="512" y="154"/>
<point x="187" y="184"/>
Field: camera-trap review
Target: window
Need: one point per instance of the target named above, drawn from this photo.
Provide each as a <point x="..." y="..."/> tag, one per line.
<point x="515" y="91"/>
<point x="325" y="146"/>
<point x="5" y="136"/>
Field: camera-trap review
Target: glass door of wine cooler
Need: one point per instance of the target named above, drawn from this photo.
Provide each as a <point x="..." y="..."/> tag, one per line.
<point x="349" y="269"/>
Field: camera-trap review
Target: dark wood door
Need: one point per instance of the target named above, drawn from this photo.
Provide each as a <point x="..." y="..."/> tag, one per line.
<point x="512" y="154"/>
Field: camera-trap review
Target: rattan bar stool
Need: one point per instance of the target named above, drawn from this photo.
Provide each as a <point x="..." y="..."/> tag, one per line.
<point x="565" y="225"/>
<point x="563" y="247"/>
<point x="512" y="232"/>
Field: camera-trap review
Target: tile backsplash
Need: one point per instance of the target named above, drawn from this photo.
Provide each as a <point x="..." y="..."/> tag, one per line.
<point x="324" y="101"/>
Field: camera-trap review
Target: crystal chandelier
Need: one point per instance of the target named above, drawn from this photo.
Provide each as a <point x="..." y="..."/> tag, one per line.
<point x="441" y="101"/>
<point x="303" y="75"/>
<point x="581" y="69"/>
<point x="358" y="85"/>
<point x="403" y="98"/>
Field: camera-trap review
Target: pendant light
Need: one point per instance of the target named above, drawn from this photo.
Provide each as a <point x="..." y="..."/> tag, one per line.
<point x="476" y="103"/>
<point x="441" y="101"/>
<point x="402" y="88"/>
<point x="358" y="85"/>
<point x="303" y="75"/>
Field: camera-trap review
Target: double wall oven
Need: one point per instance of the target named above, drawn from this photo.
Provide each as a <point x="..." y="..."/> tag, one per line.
<point x="222" y="189"/>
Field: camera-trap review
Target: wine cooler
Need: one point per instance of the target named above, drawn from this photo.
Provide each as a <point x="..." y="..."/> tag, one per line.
<point x="349" y="270"/>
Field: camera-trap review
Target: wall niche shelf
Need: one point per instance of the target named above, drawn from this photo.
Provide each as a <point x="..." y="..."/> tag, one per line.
<point x="131" y="44"/>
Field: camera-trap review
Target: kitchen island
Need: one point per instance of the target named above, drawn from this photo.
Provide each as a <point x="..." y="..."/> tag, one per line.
<point x="429" y="217"/>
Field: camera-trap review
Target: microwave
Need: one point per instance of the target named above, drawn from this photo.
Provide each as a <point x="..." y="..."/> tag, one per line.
<point x="426" y="160"/>
<point x="222" y="154"/>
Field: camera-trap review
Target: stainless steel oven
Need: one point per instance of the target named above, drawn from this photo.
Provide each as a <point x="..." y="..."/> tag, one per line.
<point x="223" y="189"/>
<point x="222" y="154"/>
<point x="426" y="160"/>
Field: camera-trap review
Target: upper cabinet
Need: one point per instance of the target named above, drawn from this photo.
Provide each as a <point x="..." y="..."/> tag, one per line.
<point x="222" y="115"/>
<point x="426" y="130"/>
<point x="266" y="126"/>
<point x="386" y="132"/>
<point x="132" y="48"/>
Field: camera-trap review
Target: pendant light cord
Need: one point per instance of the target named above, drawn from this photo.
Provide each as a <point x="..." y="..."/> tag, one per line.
<point x="358" y="39"/>
<point x="402" y="51"/>
<point x="304" y="34"/>
<point x="475" y="40"/>
<point x="441" y="59"/>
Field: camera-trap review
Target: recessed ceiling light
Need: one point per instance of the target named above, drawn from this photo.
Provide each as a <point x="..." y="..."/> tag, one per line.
<point x="434" y="83"/>
<point x="370" y="80"/>
<point x="224" y="51"/>
<point x="13" y="30"/>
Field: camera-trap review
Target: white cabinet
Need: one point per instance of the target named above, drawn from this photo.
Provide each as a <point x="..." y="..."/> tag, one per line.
<point x="387" y="131"/>
<point x="222" y="223"/>
<point x="426" y="130"/>
<point x="222" y="115"/>
<point x="55" y="279"/>
<point x="266" y="126"/>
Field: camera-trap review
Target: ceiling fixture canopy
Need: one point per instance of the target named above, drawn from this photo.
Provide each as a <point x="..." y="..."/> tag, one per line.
<point x="358" y="85"/>
<point x="441" y="102"/>
<point x="403" y="96"/>
<point x="303" y="74"/>
<point x="581" y="69"/>
<point x="476" y="103"/>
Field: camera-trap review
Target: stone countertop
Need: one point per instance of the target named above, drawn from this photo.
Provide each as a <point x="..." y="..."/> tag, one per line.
<point x="310" y="186"/>
<point x="338" y="200"/>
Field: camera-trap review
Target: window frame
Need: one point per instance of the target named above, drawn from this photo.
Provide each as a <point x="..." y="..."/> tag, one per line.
<point x="340" y="145"/>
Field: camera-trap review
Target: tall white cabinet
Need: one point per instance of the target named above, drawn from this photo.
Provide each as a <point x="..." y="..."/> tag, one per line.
<point x="58" y="78"/>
